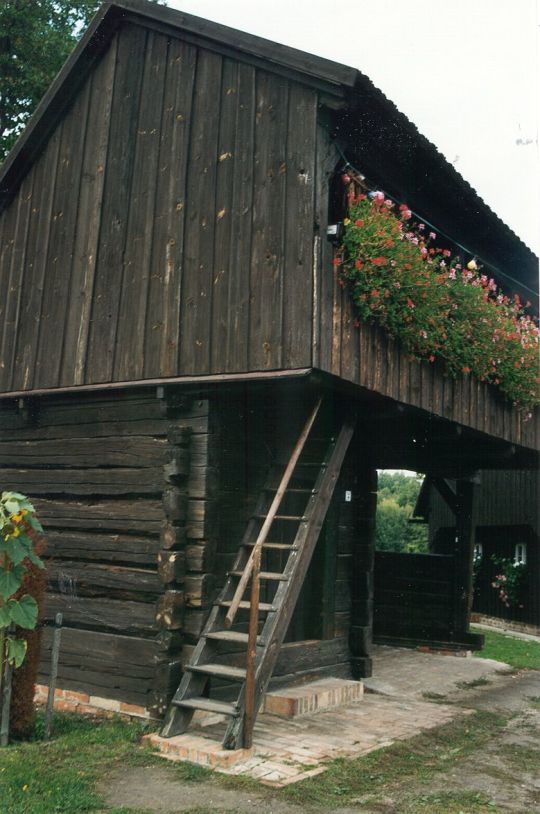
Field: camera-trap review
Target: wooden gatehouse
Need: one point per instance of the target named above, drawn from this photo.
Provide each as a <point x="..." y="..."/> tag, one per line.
<point x="174" y="340"/>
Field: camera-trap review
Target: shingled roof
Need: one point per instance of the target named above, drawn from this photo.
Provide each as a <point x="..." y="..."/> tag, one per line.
<point x="374" y="132"/>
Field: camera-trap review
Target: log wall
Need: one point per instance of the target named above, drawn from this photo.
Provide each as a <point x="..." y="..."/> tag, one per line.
<point x="111" y="480"/>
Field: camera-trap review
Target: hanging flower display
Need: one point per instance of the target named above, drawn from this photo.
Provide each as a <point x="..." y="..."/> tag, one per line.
<point x="437" y="306"/>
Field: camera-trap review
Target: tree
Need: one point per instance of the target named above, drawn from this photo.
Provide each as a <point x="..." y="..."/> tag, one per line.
<point x="397" y="496"/>
<point x="36" y="37"/>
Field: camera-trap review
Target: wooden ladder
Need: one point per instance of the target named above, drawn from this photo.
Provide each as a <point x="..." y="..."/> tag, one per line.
<point x="308" y="481"/>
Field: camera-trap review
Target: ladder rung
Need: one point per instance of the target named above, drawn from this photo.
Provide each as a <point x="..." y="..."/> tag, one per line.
<point x="271" y="575"/>
<point x="218" y="670"/>
<point x="276" y="546"/>
<point x="265" y="607"/>
<point x="231" y="636"/>
<point x="208" y="704"/>
<point x="295" y="489"/>
<point x="294" y="517"/>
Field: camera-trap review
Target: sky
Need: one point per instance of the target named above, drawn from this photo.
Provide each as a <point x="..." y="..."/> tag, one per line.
<point x="466" y="72"/>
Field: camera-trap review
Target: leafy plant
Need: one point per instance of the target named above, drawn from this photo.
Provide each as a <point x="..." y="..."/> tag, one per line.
<point x="438" y="307"/>
<point x="510" y="581"/>
<point x="17" y="522"/>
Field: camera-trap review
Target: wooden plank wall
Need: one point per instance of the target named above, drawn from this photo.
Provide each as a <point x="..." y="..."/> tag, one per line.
<point x="250" y="431"/>
<point x="501" y="542"/>
<point x="175" y="224"/>
<point x="413" y="597"/>
<point x="104" y="473"/>
<point x="505" y="498"/>
<point x="166" y="228"/>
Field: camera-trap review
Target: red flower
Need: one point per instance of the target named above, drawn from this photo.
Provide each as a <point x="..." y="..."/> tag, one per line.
<point x="359" y="223"/>
<point x="374" y="293"/>
<point x="410" y="303"/>
<point x="358" y="264"/>
<point x="466" y="369"/>
<point x="431" y="358"/>
<point x="379" y="261"/>
<point x="337" y="261"/>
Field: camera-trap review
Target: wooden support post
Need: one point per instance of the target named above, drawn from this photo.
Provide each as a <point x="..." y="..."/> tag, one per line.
<point x="463" y="556"/>
<point x="361" y="631"/>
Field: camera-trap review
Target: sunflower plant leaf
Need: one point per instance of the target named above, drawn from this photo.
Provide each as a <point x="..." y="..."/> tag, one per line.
<point x="10" y="581"/>
<point x="24" y="612"/>
<point x="16" y="651"/>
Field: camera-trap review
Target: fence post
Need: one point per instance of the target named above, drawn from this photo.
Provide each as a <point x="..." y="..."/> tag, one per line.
<point x="53" y="674"/>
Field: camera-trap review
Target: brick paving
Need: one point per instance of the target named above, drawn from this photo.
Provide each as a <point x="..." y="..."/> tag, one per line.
<point x="286" y="750"/>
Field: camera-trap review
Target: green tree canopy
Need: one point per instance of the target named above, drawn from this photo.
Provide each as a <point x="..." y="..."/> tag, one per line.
<point x="36" y="37"/>
<point x="396" y="499"/>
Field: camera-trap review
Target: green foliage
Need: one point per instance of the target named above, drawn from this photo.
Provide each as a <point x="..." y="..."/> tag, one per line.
<point x="510" y="581"/>
<point x="436" y="307"/>
<point x="36" y="39"/>
<point x="395" y="506"/>
<point x="17" y="523"/>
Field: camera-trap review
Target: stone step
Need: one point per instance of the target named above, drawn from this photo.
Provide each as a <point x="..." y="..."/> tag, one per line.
<point x="305" y="699"/>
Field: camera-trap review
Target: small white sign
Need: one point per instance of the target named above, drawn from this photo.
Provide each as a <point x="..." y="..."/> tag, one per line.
<point x="348" y="496"/>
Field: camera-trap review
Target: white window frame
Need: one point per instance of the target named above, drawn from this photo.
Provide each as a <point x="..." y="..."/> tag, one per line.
<point x="520" y="554"/>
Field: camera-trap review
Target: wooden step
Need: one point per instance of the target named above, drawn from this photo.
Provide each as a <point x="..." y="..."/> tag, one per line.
<point x="218" y="670"/>
<point x="269" y="575"/>
<point x="294" y="489"/>
<point x="232" y="636"/>
<point x="293" y="517"/>
<point x="275" y="546"/>
<point x="263" y="606"/>
<point x="207" y="704"/>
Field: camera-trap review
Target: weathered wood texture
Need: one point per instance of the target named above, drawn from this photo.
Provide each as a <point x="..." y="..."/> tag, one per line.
<point x="255" y="432"/>
<point x="175" y="224"/>
<point x="105" y="473"/>
<point x="505" y="498"/>
<point x="414" y="597"/>
<point x="166" y="228"/>
<point x="506" y="514"/>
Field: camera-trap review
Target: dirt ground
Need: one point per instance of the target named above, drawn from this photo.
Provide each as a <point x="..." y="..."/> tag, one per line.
<point x="506" y="771"/>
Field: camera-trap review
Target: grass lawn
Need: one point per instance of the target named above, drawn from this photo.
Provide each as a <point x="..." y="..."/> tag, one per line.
<point x="61" y="775"/>
<point x="521" y="653"/>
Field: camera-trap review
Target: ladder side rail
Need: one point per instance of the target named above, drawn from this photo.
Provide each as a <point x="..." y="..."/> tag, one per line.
<point x="177" y="719"/>
<point x="273" y="510"/>
<point x="277" y="622"/>
<point x="251" y="659"/>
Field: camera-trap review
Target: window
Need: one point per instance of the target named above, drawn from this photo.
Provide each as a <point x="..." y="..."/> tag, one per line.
<point x="520" y="554"/>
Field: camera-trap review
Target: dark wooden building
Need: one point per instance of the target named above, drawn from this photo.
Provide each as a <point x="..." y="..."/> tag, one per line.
<point x="507" y="526"/>
<point x="169" y="317"/>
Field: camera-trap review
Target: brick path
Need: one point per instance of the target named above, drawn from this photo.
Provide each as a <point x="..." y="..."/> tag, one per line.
<point x="288" y="750"/>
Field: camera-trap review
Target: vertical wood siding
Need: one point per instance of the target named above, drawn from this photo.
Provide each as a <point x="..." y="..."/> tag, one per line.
<point x="167" y="227"/>
<point x="171" y="227"/>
